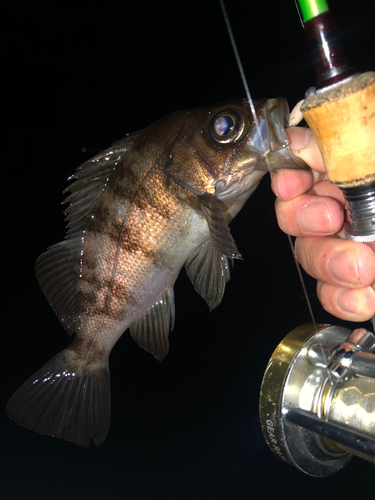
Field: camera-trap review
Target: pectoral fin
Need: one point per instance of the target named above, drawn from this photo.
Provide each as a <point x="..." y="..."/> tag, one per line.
<point x="151" y="331"/>
<point x="219" y="230"/>
<point x="208" y="270"/>
<point x="221" y="237"/>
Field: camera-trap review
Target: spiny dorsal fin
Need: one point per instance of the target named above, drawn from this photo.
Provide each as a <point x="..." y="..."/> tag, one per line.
<point x="59" y="268"/>
<point x="209" y="272"/>
<point x="151" y="331"/>
<point x="90" y="180"/>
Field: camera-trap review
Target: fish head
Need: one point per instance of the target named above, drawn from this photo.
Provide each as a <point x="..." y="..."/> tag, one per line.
<point x="225" y="152"/>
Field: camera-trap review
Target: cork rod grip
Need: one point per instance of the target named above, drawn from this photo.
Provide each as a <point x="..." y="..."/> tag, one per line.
<point x="343" y="121"/>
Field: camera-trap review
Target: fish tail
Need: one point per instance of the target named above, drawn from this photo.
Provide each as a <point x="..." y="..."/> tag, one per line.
<point x="67" y="399"/>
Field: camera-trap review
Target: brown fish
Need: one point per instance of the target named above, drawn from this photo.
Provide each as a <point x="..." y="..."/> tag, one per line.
<point x="139" y="211"/>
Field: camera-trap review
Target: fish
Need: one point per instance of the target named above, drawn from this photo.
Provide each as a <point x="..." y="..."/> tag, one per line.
<point x="155" y="201"/>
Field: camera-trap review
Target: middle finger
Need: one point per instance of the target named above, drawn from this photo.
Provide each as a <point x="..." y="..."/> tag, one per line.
<point x="309" y="215"/>
<point x="337" y="261"/>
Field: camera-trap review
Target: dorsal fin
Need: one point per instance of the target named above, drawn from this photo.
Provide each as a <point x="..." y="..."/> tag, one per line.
<point x="90" y="180"/>
<point x="57" y="271"/>
<point x="59" y="268"/>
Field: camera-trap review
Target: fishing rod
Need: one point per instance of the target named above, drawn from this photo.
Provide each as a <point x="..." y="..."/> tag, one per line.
<point x="341" y="115"/>
<point x="317" y="401"/>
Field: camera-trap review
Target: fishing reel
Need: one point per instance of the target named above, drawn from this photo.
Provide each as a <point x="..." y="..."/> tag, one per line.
<point x="317" y="399"/>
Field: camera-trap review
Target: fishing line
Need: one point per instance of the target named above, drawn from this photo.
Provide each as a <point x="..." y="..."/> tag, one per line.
<point x="242" y="73"/>
<point x="256" y="121"/>
<point x="299" y="13"/>
<point x="302" y="282"/>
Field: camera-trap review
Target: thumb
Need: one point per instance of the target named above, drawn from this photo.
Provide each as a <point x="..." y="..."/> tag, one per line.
<point x="303" y="145"/>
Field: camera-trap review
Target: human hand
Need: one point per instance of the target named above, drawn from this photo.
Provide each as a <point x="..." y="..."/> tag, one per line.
<point x="310" y="207"/>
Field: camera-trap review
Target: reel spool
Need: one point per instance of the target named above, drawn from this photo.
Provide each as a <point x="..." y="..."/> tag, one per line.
<point x="317" y="400"/>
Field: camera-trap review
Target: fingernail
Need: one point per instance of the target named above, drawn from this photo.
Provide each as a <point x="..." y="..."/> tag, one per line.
<point x="341" y="263"/>
<point x="299" y="138"/>
<point x="315" y="218"/>
<point x="344" y="300"/>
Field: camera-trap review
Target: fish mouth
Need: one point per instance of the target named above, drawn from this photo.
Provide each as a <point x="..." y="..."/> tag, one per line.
<point x="232" y="188"/>
<point x="266" y="149"/>
<point x="268" y="138"/>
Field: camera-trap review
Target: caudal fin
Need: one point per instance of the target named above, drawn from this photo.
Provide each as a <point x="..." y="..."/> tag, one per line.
<point x="66" y="403"/>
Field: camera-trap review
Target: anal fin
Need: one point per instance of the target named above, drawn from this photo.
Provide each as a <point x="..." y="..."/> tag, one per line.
<point x="151" y="331"/>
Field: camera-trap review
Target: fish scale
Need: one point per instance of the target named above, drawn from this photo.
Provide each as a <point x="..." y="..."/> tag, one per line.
<point x="134" y="263"/>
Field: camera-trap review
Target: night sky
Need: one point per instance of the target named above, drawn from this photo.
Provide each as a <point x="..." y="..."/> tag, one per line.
<point x="76" y="80"/>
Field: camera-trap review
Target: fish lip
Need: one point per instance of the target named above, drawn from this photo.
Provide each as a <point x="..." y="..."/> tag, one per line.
<point x="268" y="135"/>
<point x="269" y="140"/>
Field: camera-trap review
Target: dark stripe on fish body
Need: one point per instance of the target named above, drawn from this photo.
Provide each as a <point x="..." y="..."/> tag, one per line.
<point x="93" y="284"/>
<point x="127" y="182"/>
<point x="100" y="219"/>
<point x="151" y="202"/>
<point x="132" y="242"/>
<point x="109" y="306"/>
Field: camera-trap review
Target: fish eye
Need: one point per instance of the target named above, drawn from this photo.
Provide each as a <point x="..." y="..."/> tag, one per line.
<point x="228" y="125"/>
<point x="223" y="125"/>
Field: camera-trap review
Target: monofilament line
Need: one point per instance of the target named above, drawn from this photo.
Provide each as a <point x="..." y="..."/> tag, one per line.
<point x="256" y="121"/>
<point x="242" y="73"/>
<point x="302" y="281"/>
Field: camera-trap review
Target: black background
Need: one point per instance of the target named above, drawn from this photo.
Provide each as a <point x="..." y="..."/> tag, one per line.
<point x="83" y="77"/>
